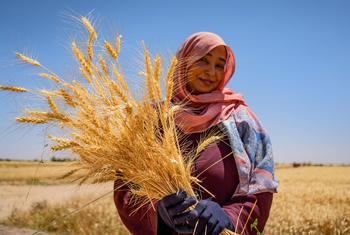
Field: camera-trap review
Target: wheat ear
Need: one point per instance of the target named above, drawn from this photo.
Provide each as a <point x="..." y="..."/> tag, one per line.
<point x="13" y="89"/>
<point x="27" y="60"/>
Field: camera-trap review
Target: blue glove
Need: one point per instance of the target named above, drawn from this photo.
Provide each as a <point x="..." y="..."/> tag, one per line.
<point x="172" y="210"/>
<point x="212" y="219"/>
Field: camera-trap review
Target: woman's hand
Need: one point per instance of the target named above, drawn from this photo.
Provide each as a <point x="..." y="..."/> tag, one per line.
<point x="172" y="210"/>
<point x="212" y="219"/>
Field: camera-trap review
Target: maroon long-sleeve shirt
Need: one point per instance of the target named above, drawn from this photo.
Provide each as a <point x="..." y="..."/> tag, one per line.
<point x="217" y="169"/>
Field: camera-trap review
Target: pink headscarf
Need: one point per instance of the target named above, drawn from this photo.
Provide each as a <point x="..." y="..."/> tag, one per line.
<point x="214" y="106"/>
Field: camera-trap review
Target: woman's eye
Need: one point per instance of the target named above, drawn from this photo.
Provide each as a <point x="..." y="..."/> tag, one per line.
<point x="204" y="60"/>
<point x="220" y="66"/>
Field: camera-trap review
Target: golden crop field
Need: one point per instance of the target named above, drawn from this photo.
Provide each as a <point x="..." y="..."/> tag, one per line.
<point x="311" y="200"/>
<point x="30" y="172"/>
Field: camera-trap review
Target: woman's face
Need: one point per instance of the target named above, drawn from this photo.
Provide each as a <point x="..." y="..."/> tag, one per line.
<point x="205" y="74"/>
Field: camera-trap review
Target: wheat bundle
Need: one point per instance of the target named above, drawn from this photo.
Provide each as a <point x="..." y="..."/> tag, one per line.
<point x="115" y="135"/>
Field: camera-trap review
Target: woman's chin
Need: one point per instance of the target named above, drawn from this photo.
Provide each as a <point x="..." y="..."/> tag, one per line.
<point x="202" y="91"/>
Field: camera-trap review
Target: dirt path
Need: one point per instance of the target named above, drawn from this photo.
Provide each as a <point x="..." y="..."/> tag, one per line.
<point x="4" y="230"/>
<point x="16" y="196"/>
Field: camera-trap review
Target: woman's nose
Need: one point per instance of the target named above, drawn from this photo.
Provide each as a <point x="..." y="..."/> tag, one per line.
<point x="211" y="70"/>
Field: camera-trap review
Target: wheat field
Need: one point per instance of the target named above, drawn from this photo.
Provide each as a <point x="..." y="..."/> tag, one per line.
<point x="311" y="200"/>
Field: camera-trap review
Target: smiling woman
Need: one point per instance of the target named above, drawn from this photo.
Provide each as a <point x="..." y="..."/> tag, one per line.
<point x="237" y="172"/>
<point x="205" y="74"/>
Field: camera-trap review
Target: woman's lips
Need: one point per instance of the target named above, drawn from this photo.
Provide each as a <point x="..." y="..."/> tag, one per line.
<point x="206" y="82"/>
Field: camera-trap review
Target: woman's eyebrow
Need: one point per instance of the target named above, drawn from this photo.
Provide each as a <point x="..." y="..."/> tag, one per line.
<point x="220" y="58"/>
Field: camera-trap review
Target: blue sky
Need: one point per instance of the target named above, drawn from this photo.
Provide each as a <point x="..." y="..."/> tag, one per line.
<point x="293" y="61"/>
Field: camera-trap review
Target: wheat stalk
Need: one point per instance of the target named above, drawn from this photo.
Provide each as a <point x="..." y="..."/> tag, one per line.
<point x="13" y="89"/>
<point x="117" y="44"/>
<point x="31" y="120"/>
<point x="89" y="27"/>
<point x="67" y="97"/>
<point x="48" y="93"/>
<point x="52" y="105"/>
<point x="50" y="77"/>
<point x="90" y="50"/>
<point x="169" y="82"/>
<point x="110" y="50"/>
<point x="156" y="76"/>
<point x="119" y="78"/>
<point x="64" y="145"/>
<point x="103" y="65"/>
<point x="27" y="60"/>
<point x="207" y="141"/>
<point x="81" y="59"/>
<point x="93" y="36"/>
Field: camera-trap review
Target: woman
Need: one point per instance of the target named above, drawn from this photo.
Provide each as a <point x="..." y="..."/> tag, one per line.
<point x="237" y="170"/>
